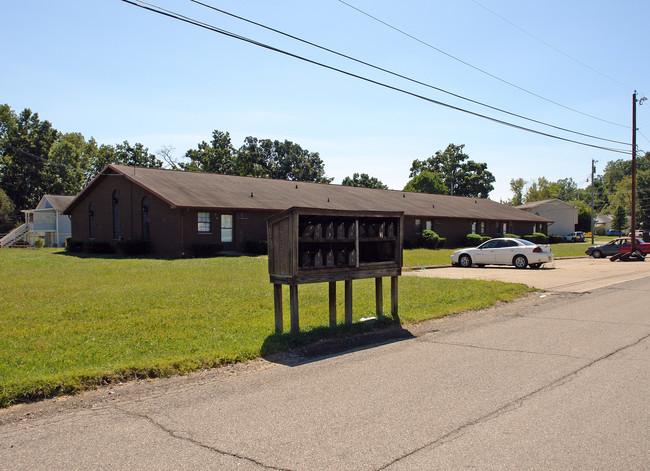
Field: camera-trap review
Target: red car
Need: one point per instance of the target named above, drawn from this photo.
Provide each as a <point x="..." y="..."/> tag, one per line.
<point x="626" y="247"/>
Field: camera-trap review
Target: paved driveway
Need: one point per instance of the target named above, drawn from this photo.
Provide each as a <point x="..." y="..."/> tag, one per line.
<point x="576" y="275"/>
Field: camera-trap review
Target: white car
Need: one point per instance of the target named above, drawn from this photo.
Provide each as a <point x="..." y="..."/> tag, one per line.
<point x="504" y="251"/>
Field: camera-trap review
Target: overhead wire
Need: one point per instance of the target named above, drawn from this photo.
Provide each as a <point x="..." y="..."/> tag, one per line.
<point x="587" y="66"/>
<point x="395" y="74"/>
<point x="161" y="11"/>
<point x="478" y="68"/>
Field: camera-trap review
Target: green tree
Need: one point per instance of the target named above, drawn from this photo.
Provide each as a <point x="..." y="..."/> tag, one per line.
<point x="643" y="199"/>
<point x="217" y="156"/>
<point x="25" y="143"/>
<point x="616" y="188"/>
<point x="364" y="180"/>
<point x="542" y="189"/>
<point x="281" y="160"/>
<point x="459" y="175"/>
<point x="619" y="221"/>
<point x="584" y="216"/>
<point x="426" y="182"/>
<point x="567" y="189"/>
<point x="7" y="213"/>
<point x="517" y="187"/>
<point x="70" y="164"/>
<point x="123" y="154"/>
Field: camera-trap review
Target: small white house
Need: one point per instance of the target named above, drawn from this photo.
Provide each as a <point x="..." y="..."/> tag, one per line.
<point x="46" y="222"/>
<point x="604" y="220"/>
<point x="563" y="214"/>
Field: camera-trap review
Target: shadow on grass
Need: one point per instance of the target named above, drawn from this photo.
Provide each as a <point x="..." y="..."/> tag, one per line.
<point x="323" y="342"/>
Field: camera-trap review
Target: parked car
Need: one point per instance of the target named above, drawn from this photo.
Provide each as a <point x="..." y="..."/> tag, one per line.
<point x="637" y="233"/>
<point x="639" y="246"/>
<point x="577" y="236"/>
<point x="614" y="246"/>
<point x="613" y="232"/>
<point x="504" y="251"/>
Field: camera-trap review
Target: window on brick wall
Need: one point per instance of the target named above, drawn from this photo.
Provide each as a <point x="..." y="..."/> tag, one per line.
<point x="203" y="225"/>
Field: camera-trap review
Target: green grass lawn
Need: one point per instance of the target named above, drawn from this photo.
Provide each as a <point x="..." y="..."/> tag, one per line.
<point x="70" y="323"/>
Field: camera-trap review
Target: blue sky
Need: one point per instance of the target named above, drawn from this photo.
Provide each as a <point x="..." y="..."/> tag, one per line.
<point x="116" y="72"/>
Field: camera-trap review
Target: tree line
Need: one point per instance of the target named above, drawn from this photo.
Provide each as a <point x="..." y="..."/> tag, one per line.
<point x="36" y="159"/>
<point x="612" y="193"/>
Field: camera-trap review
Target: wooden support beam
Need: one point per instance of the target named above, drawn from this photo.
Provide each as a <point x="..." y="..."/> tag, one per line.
<point x="379" y="297"/>
<point x="293" y="307"/>
<point x="348" y="301"/>
<point x="332" y="303"/>
<point x="393" y="296"/>
<point x="277" y="301"/>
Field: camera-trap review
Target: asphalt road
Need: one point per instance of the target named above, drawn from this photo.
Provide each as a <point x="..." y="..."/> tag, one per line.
<point x="555" y="381"/>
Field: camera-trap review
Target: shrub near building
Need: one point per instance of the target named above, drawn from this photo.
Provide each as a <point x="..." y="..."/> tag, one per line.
<point x="537" y="238"/>
<point x="431" y="240"/>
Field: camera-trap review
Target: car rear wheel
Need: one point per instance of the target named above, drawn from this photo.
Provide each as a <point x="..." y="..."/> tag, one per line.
<point x="520" y="261"/>
<point x="465" y="261"/>
<point x="597" y="254"/>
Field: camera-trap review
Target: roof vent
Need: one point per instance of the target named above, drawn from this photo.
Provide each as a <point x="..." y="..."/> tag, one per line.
<point x="403" y="195"/>
<point x="433" y="205"/>
<point x="328" y="200"/>
<point x="251" y="194"/>
<point x="296" y="187"/>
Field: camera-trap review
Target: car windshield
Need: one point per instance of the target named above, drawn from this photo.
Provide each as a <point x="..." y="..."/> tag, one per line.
<point x="525" y="242"/>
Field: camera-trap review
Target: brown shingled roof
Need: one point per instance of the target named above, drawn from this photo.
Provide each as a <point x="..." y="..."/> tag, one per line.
<point x="58" y="202"/>
<point x="198" y="190"/>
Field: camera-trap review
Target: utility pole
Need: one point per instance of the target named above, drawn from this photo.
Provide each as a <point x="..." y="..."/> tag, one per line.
<point x="633" y="255"/>
<point x="633" y="217"/>
<point x="593" y="173"/>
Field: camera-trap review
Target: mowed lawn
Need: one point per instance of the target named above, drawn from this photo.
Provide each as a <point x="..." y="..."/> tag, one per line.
<point x="69" y="323"/>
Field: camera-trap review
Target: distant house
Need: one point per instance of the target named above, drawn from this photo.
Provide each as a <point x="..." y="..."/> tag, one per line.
<point x="563" y="214"/>
<point x="176" y="210"/>
<point x="604" y="221"/>
<point x="46" y="222"/>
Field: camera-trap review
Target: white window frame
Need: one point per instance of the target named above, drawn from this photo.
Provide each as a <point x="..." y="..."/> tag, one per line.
<point x="203" y="221"/>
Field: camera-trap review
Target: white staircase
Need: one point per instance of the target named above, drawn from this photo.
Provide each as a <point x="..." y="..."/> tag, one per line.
<point x="15" y="236"/>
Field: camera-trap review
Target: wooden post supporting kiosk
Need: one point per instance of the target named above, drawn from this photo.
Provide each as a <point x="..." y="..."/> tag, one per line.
<point x="308" y="245"/>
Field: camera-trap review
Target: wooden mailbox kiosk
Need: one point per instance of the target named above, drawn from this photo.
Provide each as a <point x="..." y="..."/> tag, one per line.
<point x="308" y="245"/>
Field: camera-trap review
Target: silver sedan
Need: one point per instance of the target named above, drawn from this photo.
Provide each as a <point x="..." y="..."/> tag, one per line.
<point x="504" y="251"/>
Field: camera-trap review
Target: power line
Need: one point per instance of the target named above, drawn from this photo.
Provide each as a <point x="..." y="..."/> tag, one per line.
<point x="643" y="135"/>
<point x="478" y="68"/>
<point x="403" y="76"/>
<point x="179" y="17"/>
<point x="550" y="45"/>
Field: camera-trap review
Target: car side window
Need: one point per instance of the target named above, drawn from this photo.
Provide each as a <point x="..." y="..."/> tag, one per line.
<point x="510" y="243"/>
